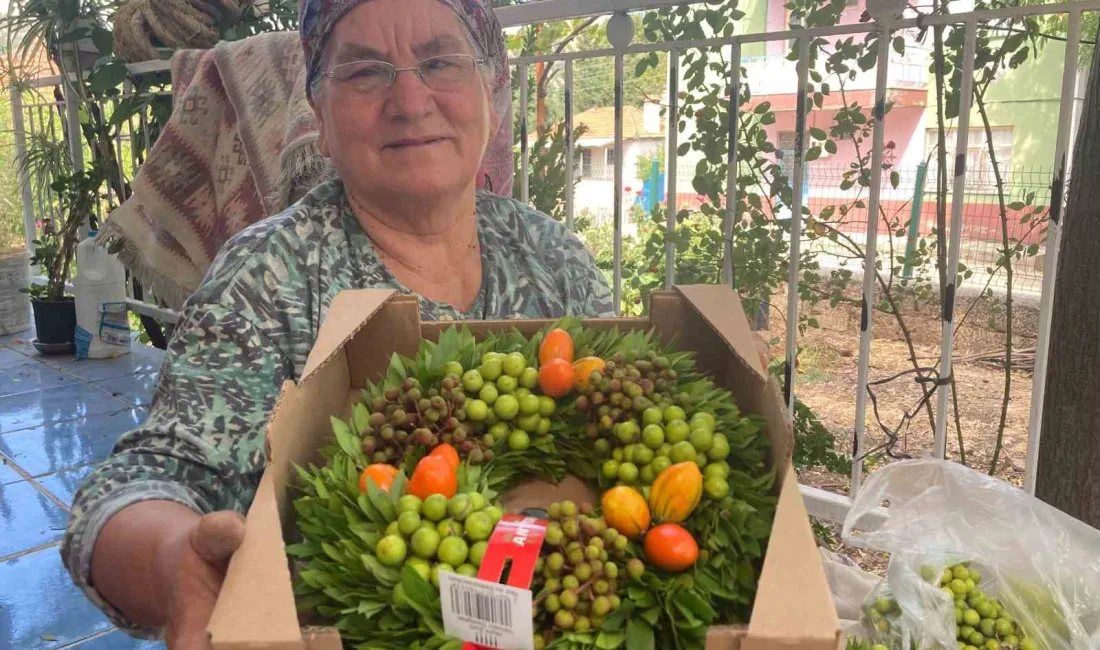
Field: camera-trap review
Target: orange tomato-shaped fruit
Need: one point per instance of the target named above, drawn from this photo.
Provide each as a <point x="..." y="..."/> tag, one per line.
<point x="433" y="475"/>
<point x="556" y="377"/>
<point x="676" y="492"/>
<point x="448" y="452"/>
<point x="381" y="474"/>
<point x="670" y="547"/>
<point x="625" y="510"/>
<point x="557" y="344"/>
<point x="583" y="369"/>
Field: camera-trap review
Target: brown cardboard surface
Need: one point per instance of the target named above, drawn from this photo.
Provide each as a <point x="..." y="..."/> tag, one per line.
<point x="364" y="328"/>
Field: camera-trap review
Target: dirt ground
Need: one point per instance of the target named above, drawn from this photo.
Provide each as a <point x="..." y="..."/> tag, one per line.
<point x="826" y="381"/>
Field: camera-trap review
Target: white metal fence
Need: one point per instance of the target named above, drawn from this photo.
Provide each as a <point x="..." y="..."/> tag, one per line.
<point x="826" y="505"/>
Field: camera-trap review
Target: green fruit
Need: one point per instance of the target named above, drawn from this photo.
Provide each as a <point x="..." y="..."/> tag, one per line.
<point x="570" y="582"/>
<point x="491" y="367"/>
<point x="646" y="475"/>
<point x="452" y="368"/>
<point x="564" y="620"/>
<point x="660" y="464"/>
<point x="552" y="603"/>
<point x="507" y="385"/>
<point x="958" y="615"/>
<point x="601" y="606"/>
<point x="494" y="512"/>
<point x="435" y="507"/>
<point x="682" y="452"/>
<point x="529" y="423"/>
<point x="1011" y="641"/>
<point x="477" y="552"/>
<point x="459" y="507"/>
<point x="1027" y="644"/>
<point x="976" y="638"/>
<point x="970" y="586"/>
<point x="716" y="488"/>
<point x="975" y="575"/>
<point x="439" y="568"/>
<point x="628" y="472"/>
<point x="701" y="439"/>
<point x="610" y="469"/>
<point x="602" y="446"/>
<point x="628" y="453"/>
<point x="927" y="572"/>
<point x="958" y="586"/>
<point x="513" y="365"/>
<point x="965" y="632"/>
<point x="617" y="454"/>
<point x="568" y="599"/>
<point x="449" y="528"/>
<point x="704" y="415"/>
<point x="529" y="404"/>
<point x="652" y="415"/>
<point x="506" y="407"/>
<point x="627" y="431"/>
<point x="719" y="469"/>
<point x="409" y="503"/>
<point x="479" y="527"/>
<point x="422" y="566"/>
<point x="500" y="430"/>
<point x="674" y="413"/>
<point x="720" y="449"/>
<point x="544" y="428"/>
<point x="677" y="431"/>
<point x="986" y="609"/>
<point x="987" y="626"/>
<point x="472" y="381"/>
<point x="971" y="617"/>
<point x="529" y="378"/>
<point x="487" y="394"/>
<point x="391" y="550"/>
<point x="424" y="523"/>
<point x="1003" y="627"/>
<point x="393" y="529"/>
<point x="408" y="523"/>
<point x="947" y="577"/>
<point x="653" y="436"/>
<point x="468" y="570"/>
<point x="664" y="450"/>
<point x="453" y="551"/>
<point x="642" y="455"/>
<point x="477" y="410"/>
<point x="634" y="568"/>
<point x="518" y="440"/>
<point x="477" y="501"/>
<point x="547" y="405"/>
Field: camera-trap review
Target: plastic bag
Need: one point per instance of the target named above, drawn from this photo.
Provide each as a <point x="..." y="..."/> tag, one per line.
<point x="1041" y="564"/>
<point x="850" y="587"/>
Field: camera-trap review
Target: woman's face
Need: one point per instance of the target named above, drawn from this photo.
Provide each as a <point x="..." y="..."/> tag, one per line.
<point x="406" y="142"/>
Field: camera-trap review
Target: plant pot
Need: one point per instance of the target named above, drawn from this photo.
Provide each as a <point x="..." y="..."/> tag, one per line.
<point x="55" y="324"/>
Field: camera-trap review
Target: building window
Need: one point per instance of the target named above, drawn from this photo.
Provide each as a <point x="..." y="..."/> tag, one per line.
<point x="610" y="159"/>
<point x="586" y="163"/>
<point x="979" y="167"/>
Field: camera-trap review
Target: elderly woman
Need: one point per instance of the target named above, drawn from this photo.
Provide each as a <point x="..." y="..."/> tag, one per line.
<point x="407" y="94"/>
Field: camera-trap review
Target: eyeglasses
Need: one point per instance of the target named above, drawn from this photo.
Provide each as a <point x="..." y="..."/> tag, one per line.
<point x="447" y="72"/>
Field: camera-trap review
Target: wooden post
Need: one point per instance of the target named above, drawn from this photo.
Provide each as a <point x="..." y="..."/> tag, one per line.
<point x="1069" y="457"/>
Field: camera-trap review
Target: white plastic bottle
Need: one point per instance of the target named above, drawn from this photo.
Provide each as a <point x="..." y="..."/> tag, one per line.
<point x="102" y="320"/>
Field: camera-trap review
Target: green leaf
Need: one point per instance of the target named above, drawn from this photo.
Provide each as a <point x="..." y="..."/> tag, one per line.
<point x="107" y="76"/>
<point x="1016" y="205"/>
<point x="639" y="635"/>
<point x="895" y="179"/>
<point x="610" y="640"/>
<point x="615" y="620"/>
<point x="830" y="146"/>
<point x="347" y="440"/>
<point x="381" y="572"/>
<point x="818" y="134"/>
<point x="381" y="501"/>
<point x="899" y="44"/>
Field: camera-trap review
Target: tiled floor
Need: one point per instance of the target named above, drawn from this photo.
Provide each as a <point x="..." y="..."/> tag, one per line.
<point x="58" y="418"/>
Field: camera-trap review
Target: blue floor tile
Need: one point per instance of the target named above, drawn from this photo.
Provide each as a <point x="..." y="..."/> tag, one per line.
<point x="38" y="601"/>
<point x="61" y="445"/>
<point x="64" y="485"/>
<point x="135" y="389"/>
<point x="28" y="518"/>
<point x="24" y="375"/>
<point x="140" y="361"/>
<point x="7" y="474"/>
<point x="55" y="405"/>
<point x="119" y="641"/>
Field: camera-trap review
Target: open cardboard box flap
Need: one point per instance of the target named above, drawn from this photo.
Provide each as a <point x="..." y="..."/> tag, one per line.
<point x="362" y="330"/>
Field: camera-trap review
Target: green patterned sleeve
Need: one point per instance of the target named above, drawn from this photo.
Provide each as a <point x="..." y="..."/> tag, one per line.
<point x="591" y="295"/>
<point x="202" y="444"/>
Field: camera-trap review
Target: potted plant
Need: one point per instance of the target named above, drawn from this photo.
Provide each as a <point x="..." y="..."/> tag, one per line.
<point x="72" y="212"/>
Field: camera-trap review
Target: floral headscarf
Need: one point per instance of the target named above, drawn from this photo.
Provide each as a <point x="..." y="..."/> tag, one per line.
<point x="317" y="18"/>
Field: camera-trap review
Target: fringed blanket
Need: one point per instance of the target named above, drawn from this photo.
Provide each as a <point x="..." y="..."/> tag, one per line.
<point x="240" y="146"/>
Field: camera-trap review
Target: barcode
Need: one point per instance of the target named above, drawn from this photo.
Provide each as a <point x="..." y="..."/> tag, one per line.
<point x="482" y="606"/>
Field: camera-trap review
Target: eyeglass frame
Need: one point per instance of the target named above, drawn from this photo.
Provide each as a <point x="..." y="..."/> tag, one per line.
<point x="330" y="74"/>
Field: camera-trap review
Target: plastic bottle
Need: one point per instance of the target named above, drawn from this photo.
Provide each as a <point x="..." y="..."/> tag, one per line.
<point x="102" y="319"/>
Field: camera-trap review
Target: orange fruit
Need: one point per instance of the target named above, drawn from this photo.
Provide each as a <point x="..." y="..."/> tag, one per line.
<point x="625" y="510"/>
<point x="556" y="377"/>
<point x="433" y="475"/>
<point x="381" y="474"/>
<point x="583" y="369"/>
<point x="448" y="452"/>
<point x="670" y="547"/>
<point x="557" y="344"/>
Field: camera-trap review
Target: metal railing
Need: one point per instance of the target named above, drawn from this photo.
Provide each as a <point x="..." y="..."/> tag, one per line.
<point x="826" y="505"/>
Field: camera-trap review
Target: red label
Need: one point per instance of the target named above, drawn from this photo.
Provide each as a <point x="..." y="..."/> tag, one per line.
<point x="516" y="538"/>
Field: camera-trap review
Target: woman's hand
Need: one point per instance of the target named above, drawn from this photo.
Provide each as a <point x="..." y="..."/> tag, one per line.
<point x="162" y="564"/>
<point x="200" y="566"/>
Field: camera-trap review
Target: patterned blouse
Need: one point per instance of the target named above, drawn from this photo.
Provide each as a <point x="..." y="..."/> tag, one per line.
<point x="250" y="326"/>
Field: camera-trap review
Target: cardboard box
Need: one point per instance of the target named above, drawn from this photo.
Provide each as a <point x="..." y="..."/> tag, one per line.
<point x="793" y="607"/>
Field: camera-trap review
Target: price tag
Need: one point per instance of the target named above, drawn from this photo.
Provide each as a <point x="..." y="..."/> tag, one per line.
<point x="486" y="613"/>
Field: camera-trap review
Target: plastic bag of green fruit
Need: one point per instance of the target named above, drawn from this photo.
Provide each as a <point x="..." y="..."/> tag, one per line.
<point x="975" y="563"/>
